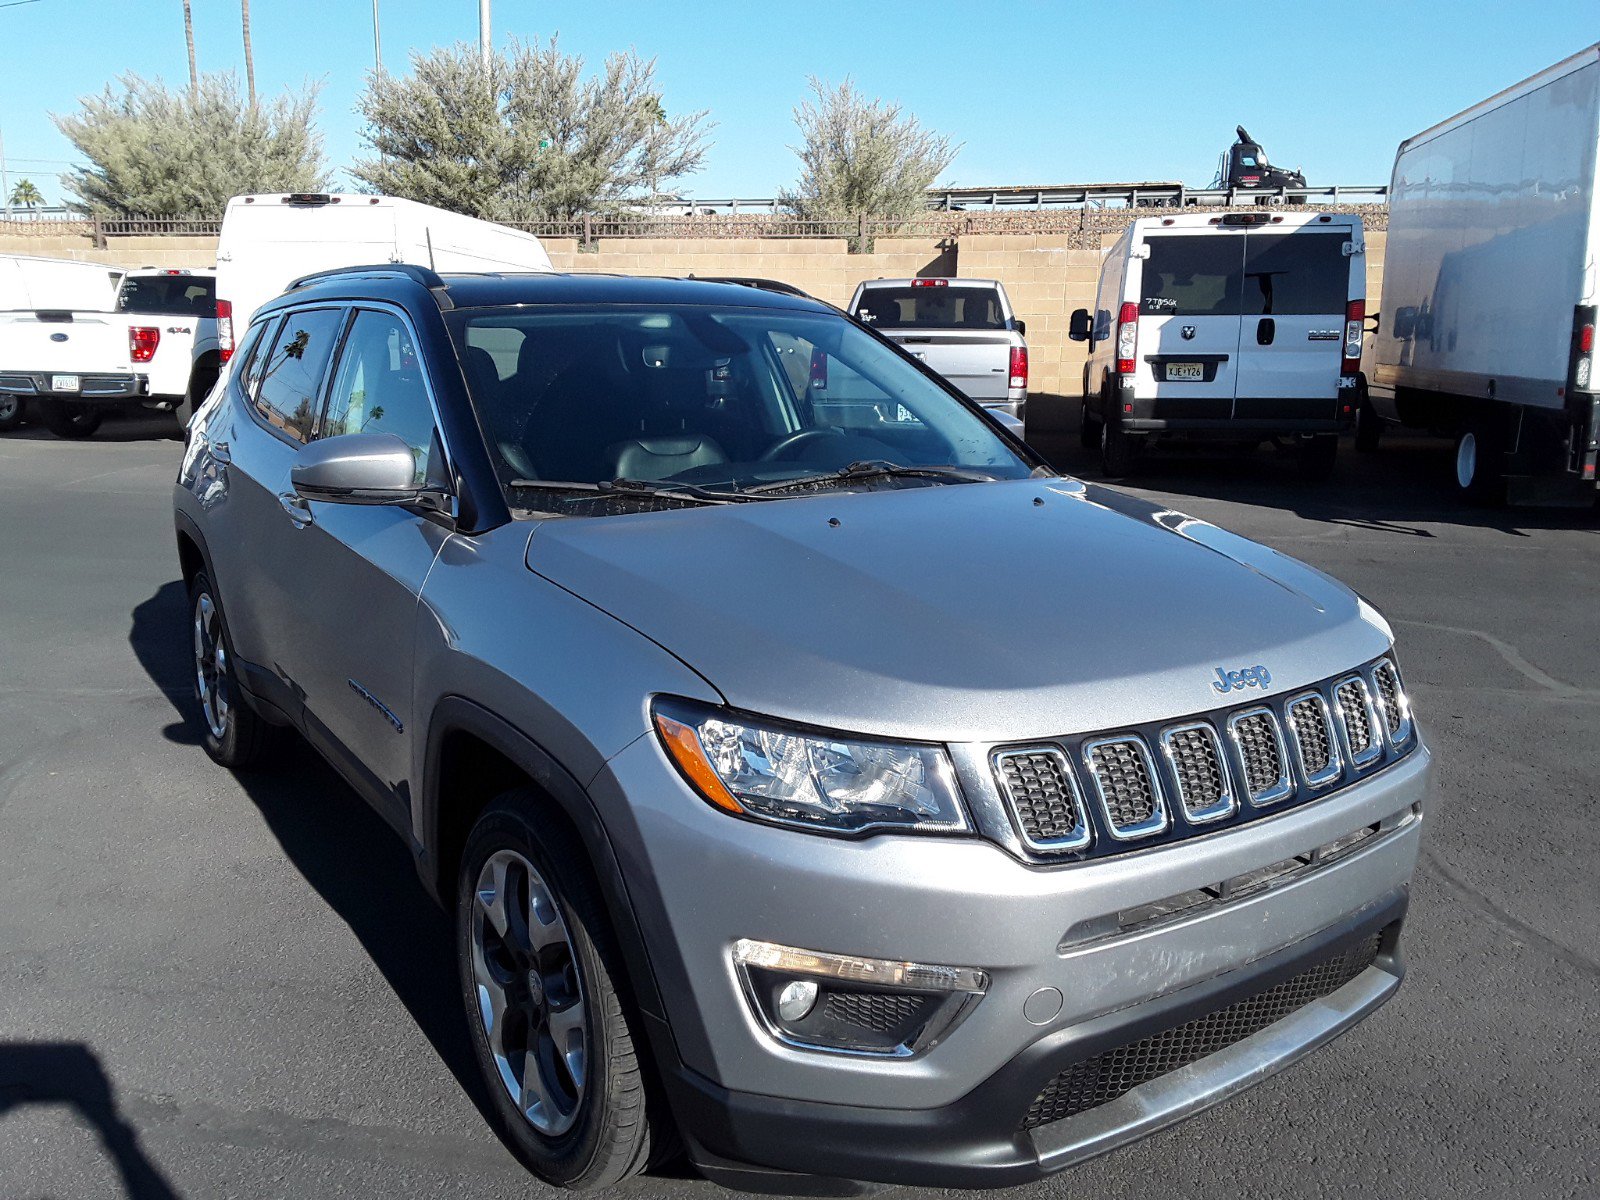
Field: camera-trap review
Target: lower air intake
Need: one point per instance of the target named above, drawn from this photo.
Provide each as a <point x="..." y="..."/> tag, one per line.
<point x="1104" y="1078"/>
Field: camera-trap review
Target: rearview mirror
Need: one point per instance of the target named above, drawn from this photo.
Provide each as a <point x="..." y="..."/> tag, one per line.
<point x="1405" y="323"/>
<point x="363" y="468"/>
<point x="1081" y="328"/>
<point x="1022" y="326"/>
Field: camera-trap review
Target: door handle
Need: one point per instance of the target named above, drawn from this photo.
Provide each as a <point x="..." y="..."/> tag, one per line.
<point x="298" y="508"/>
<point x="1266" y="330"/>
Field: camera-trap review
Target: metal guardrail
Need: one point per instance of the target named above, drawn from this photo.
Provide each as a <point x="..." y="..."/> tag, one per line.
<point x="1152" y="194"/>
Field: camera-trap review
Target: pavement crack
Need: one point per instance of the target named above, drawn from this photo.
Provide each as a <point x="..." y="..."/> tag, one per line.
<point x="1507" y="651"/>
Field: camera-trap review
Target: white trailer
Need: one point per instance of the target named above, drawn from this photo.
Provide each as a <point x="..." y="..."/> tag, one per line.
<point x="1490" y="290"/>
<point x="268" y="241"/>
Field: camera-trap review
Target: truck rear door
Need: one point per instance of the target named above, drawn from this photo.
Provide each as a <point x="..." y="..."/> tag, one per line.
<point x="960" y="332"/>
<point x="1296" y="288"/>
<point x="65" y="343"/>
<point x="1190" y="285"/>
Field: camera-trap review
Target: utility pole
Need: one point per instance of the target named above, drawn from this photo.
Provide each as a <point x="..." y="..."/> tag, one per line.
<point x="484" y="38"/>
<point x="377" y="41"/>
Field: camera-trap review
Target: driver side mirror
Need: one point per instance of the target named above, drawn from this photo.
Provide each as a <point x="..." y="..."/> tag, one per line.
<point x="1022" y="326"/>
<point x="364" y="468"/>
<point x="1081" y="328"/>
<point x="1405" y="323"/>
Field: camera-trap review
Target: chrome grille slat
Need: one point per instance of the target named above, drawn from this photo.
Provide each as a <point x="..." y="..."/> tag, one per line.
<point x="1130" y="793"/>
<point x="1194" y="752"/>
<point x="1043" y="793"/>
<point x="1392" y="703"/>
<point x="1259" y="741"/>
<point x="1359" y="720"/>
<point x="1313" y="739"/>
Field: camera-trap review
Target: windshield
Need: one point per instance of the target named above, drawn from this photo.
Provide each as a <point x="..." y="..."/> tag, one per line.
<point x="929" y="306"/>
<point x="186" y="295"/>
<point x="718" y="400"/>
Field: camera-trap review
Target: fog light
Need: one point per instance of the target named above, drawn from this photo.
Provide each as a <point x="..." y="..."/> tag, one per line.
<point x="797" y="999"/>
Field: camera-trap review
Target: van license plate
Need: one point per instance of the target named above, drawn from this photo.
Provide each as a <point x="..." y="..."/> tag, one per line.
<point x="1186" y="371"/>
<point x="63" y="383"/>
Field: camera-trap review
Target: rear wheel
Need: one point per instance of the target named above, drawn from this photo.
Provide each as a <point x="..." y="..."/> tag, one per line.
<point x="1119" y="449"/>
<point x="70" y="418"/>
<point x="1369" y="427"/>
<point x="233" y="734"/>
<point x="1318" y="455"/>
<point x="552" y="1029"/>
<point x="1481" y="461"/>
<point x="10" y="413"/>
<point x="1088" y="428"/>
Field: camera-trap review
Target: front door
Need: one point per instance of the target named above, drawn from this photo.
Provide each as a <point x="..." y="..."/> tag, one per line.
<point x="1291" y="337"/>
<point x="1190" y="286"/>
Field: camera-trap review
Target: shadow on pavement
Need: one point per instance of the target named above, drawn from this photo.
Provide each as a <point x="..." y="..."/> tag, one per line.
<point x="338" y="843"/>
<point x="69" y="1074"/>
<point x="142" y="425"/>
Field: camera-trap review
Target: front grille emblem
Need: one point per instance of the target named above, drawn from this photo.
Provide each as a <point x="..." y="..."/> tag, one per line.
<point x="1188" y="333"/>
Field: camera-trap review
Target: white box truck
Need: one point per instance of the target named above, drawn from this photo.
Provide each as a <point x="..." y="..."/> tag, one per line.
<point x="1489" y="288"/>
<point x="268" y="241"/>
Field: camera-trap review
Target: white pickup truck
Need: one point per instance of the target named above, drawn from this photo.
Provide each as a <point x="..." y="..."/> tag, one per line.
<point x="963" y="329"/>
<point x="162" y="346"/>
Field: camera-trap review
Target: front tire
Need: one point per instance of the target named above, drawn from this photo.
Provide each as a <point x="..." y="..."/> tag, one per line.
<point x="70" y="418"/>
<point x="553" y="1031"/>
<point x="1481" y="462"/>
<point x="233" y="734"/>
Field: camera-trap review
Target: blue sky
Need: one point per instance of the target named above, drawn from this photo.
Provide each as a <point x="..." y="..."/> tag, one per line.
<point x="1038" y="92"/>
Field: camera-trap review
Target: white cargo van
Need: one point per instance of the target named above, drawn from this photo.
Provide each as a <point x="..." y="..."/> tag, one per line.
<point x="269" y="241"/>
<point x="1244" y="326"/>
<point x="1490" y="289"/>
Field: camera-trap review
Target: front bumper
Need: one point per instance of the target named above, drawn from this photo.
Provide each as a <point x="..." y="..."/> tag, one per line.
<point x="699" y="881"/>
<point x="100" y="388"/>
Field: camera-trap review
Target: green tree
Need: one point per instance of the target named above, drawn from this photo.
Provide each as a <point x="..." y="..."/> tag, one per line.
<point x="528" y="137"/>
<point x="861" y="157"/>
<point x="153" y="151"/>
<point x="26" y="194"/>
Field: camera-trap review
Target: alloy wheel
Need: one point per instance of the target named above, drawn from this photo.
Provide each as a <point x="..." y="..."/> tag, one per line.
<point x="530" y="993"/>
<point x="211" y="667"/>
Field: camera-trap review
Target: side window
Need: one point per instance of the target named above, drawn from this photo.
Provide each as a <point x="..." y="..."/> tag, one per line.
<point x="291" y="376"/>
<point x="379" y="388"/>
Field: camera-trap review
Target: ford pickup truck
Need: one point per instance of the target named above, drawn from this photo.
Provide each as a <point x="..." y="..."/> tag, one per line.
<point x="964" y="329"/>
<point x="161" y="347"/>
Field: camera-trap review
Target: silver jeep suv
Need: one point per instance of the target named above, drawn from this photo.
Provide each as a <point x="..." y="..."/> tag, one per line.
<point x="822" y="790"/>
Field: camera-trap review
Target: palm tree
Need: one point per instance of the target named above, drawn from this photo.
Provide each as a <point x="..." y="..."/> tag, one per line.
<point x="26" y="194"/>
<point x="188" y="36"/>
<point x="249" y="54"/>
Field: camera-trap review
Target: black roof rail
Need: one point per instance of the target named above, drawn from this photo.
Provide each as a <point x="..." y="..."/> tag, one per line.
<point x="751" y="281"/>
<point x="427" y="278"/>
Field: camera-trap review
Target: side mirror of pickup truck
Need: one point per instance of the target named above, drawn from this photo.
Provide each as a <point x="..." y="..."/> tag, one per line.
<point x="362" y="468"/>
<point x="1405" y="323"/>
<point x="1082" y="327"/>
<point x="1022" y="326"/>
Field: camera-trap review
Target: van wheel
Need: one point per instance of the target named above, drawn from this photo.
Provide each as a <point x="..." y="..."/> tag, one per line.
<point x="1480" y="462"/>
<point x="554" y="1034"/>
<point x="10" y="413"/>
<point x="1369" y="427"/>
<point x="1318" y="455"/>
<point x="1119" y="449"/>
<point x="1088" y="428"/>
<point x="70" y="419"/>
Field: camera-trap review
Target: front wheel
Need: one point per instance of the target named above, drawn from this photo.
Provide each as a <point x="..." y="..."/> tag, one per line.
<point x="70" y="418"/>
<point x="552" y="1029"/>
<point x="10" y="413"/>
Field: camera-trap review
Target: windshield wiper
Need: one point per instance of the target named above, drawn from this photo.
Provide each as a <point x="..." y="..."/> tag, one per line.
<point x="641" y="488"/>
<point x="876" y="468"/>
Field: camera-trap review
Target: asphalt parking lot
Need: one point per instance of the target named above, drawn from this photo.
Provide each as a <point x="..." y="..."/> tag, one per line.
<point x="218" y="986"/>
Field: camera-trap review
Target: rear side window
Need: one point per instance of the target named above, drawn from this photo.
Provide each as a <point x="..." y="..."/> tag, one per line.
<point x="931" y="308"/>
<point x="185" y="295"/>
<point x="291" y="376"/>
<point x="1192" y="277"/>
<point x="1295" y="273"/>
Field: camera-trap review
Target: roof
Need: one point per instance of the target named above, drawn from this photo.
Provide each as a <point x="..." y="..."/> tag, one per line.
<point x="496" y="289"/>
<point x="922" y="280"/>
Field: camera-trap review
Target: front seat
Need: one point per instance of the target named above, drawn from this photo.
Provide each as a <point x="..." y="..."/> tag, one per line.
<point x="663" y="457"/>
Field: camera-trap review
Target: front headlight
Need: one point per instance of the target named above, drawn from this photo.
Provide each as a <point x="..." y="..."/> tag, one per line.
<point x="808" y="778"/>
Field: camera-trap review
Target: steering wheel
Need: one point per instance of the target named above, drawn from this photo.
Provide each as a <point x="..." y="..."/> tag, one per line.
<point x="799" y="438"/>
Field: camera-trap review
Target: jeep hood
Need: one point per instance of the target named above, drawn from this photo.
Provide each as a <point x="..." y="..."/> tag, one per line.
<point x="961" y="612"/>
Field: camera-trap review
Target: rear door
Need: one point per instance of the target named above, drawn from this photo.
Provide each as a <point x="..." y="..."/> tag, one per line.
<point x="1190" y="288"/>
<point x="1296" y="286"/>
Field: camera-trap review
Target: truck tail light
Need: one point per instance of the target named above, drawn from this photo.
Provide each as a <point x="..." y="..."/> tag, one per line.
<point x="1019" y="367"/>
<point x="819" y="370"/>
<point x="1355" y="316"/>
<point x="1581" y="372"/>
<point x="142" y="342"/>
<point x="225" y="329"/>
<point x="1127" y="338"/>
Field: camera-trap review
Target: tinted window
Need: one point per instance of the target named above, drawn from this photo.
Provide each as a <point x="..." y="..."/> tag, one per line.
<point x="189" y="295"/>
<point x="1295" y="273"/>
<point x="931" y="308"/>
<point x="1192" y="276"/>
<point x="379" y="388"/>
<point x="291" y="376"/>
